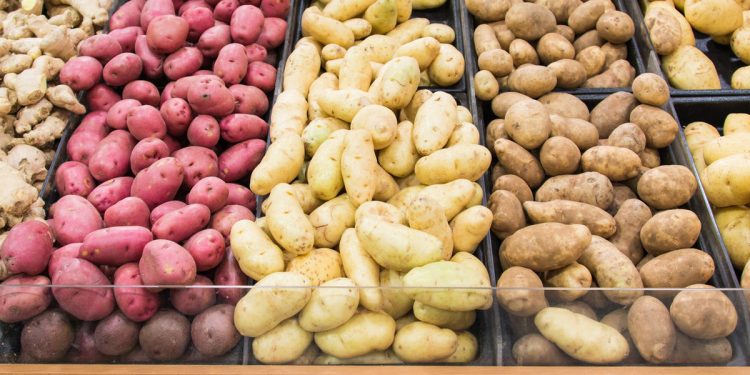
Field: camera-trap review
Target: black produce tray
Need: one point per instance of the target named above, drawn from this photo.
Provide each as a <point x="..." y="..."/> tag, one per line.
<point x="635" y="56"/>
<point x="708" y="241"/>
<point x="725" y="61"/>
<point x="448" y="14"/>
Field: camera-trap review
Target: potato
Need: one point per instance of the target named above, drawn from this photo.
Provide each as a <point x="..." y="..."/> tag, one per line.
<point x="301" y="69"/>
<point x="612" y="269"/>
<point x="532" y="80"/>
<point x="736" y="123"/>
<point x="667" y="187"/>
<point x="448" y="66"/>
<point x="703" y="313"/>
<point x="741" y="79"/>
<point x="287" y="221"/>
<point x="602" y="344"/>
<point x="535" y="350"/>
<point x="319" y="265"/>
<point x="289" y="335"/>
<point x="442" y="33"/>
<point x="358" y="166"/>
<point x="521" y="302"/>
<point x="615" y="26"/>
<point x="593" y="59"/>
<point x="628" y="135"/>
<point x="528" y="124"/>
<point x="484" y="39"/>
<point x="382" y="211"/>
<point x="344" y="342"/>
<point x="727" y="145"/>
<point x="584" y="17"/>
<point x="23" y="297"/>
<point x="664" y="30"/>
<point x="280" y="164"/>
<point x="507" y="213"/>
<point x="468" y="161"/>
<point x="579" y="307"/>
<point x="424" y="50"/>
<point x="699" y="133"/>
<point x="520" y="162"/>
<point x="328" y="28"/>
<point x="522" y="53"/>
<point x="470" y="227"/>
<point x="728" y="189"/>
<point x="573" y="275"/>
<point x="612" y="112"/>
<point x="515" y="185"/>
<point x="678" y="269"/>
<point x="714" y="17"/>
<point x="442" y="318"/>
<point x="670" y="230"/>
<point x="570" y="73"/>
<point x="497" y="61"/>
<point x="658" y="126"/>
<point x="553" y="47"/>
<point x="617" y="163"/>
<point x="598" y="221"/>
<point x="485" y="85"/>
<point x="518" y="21"/>
<point x="256" y="253"/>
<point x="396" y="302"/>
<point x="563" y="244"/>
<point x="565" y="105"/>
<point x="434" y="122"/>
<point x="464" y="133"/>
<point x="452" y="278"/>
<point x="397" y="252"/>
<point x="588" y="187"/>
<point x="731" y="222"/>
<point x="213" y="332"/>
<point x="362" y="269"/>
<point x="165" y="336"/>
<point x="630" y="218"/>
<point x="651" y="89"/>
<point x="690" y="350"/>
<point x="699" y="74"/>
<point x="409" y="342"/>
<point x="651" y="329"/>
<point x="263" y="308"/>
<point x="559" y="155"/>
<point x="427" y="215"/>
<point x="47" y="337"/>
<point x="399" y="79"/>
<point x="379" y="121"/>
<point x="583" y="133"/>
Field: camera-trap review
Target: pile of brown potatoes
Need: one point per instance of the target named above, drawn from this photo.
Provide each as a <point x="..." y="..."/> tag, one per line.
<point x="535" y="47"/>
<point x="601" y="197"/>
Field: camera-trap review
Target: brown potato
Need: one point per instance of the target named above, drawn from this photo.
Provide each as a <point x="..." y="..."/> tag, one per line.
<point x="651" y="329"/>
<point x="530" y="21"/>
<point x="622" y="193"/>
<point x="574" y="275"/>
<point x="545" y="247"/>
<point x="559" y="155"/>
<point x="535" y="350"/>
<point x="589" y="187"/>
<point x="485" y="85"/>
<point x="663" y="29"/>
<point x="650" y="158"/>
<point x="47" y="337"/>
<point x="667" y="186"/>
<point x="566" y="32"/>
<point x="495" y="131"/>
<point x="503" y="33"/>
<point x="690" y="350"/>
<point x="628" y="135"/>
<point x="532" y="80"/>
<point x="560" y="8"/>
<point x="553" y="46"/>
<point x="651" y="89"/>
<point x="579" y="307"/>
<point x="617" y="163"/>
<point x="618" y="74"/>
<point x="615" y="26"/>
<point x="612" y="269"/>
<point x="581" y="132"/>
<point x="593" y="60"/>
<point x="598" y="221"/>
<point x="670" y="230"/>
<point x="588" y="39"/>
<point x="498" y="171"/>
<point x="613" y="111"/>
<point x="522" y="53"/>
<point x="521" y="302"/>
<point x="629" y="219"/>
<point x="484" y="39"/>
<point x="497" y="61"/>
<point x="507" y="213"/>
<point x="570" y="73"/>
<point x="213" y="331"/>
<point x="515" y="185"/>
<point x="504" y="101"/>
<point x="516" y="160"/>
<point x="658" y="125"/>
<point x="585" y="16"/>
<point x="614" y="52"/>
<point x="490" y="10"/>
<point x="528" y="123"/>
<point x="678" y="269"/>
<point x="565" y="105"/>
<point x="704" y="313"/>
<point x="165" y="336"/>
<point x="116" y="334"/>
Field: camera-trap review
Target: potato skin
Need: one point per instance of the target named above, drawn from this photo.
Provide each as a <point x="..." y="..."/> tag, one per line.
<point x="588" y="187"/>
<point x="663" y="29"/>
<point x="629" y="219"/>
<point x="678" y="269"/>
<point x="442" y="342"/>
<point x="47" y="337"/>
<point x="507" y="213"/>
<point x="535" y="350"/>
<point x="598" y="221"/>
<point x="670" y="230"/>
<point x="613" y="111"/>
<point x="628" y="135"/>
<point x="562" y="245"/>
<point x="559" y="155"/>
<point x="466" y="161"/>
<point x="583" y="133"/>
<point x="519" y="16"/>
<point x="262" y="309"/>
<point x="617" y="163"/>
<point x="532" y="80"/>
<point x="725" y="181"/>
<point x="343" y="343"/>
<point x="521" y="302"/>
<point x="574" y="275"/>
<point x="612" y="269"/>
<point x="651" y="329"/>
<point x="565" y="105"/>
<point x="667" y="186"/>
<point x="700" y="74"/>
<point x="519" y="162"/>
<point x="704" y="313"/>
<point x="570" y="73"/>
<point x="213" y="332"/>
<point x="165" y="336"/>
<point x="651" y="89"/>
<point x="528" y="123"/>
<point x="658" y="126"/>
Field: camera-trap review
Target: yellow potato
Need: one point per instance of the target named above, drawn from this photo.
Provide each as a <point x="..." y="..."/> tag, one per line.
<point x="424" y="50"/>
<point x="727" y="181"/>
<point x="435" y="121"/>
<point x="470" y="227"/>
<point x="395" y="246"/>
<point x="455" y="286"/>
<point x="343" y="104"/>
<point x="714" y="17"/>
<point x="689" y="69"/>
<point x="386" y="187"/>
<point x="343" y="10"/>
<point x="403" y="10"/>
<point x="362" y="269"/>
<point x="442" y="318"/>
<point x="358" y="166"/>
<point x="387" y="357"/>
<point x="281" y="164"/>
<point x="289" y="225"/>
<point x="466" y="350"/>
<point x="289" y="114"/>
<point x="330" y="306"/>
<point x="318" y="130"/>
<point x="423" y="342"/>
<point x="288" y="335"/>
<point x="464" y="133"/>
<point x="379" y="121"/>
<point x="396" y="302"/>
<point x="382" y="15"/>
<point x="427" y="4"/>
<point x="741" y="78"/>
<point x="273" y="299"/>
<point x="733" y="223"/>
<point x="582" y="338"/>
<point x="462" y="161"/>
<point x="448" y="66"/>
<point x="380" y="48"/>
<point x="409" y="113"/>
<point x="365" y="332"/>
<point x="686" y="35"/>
<point x="359" y="27"/>
<point x="355" y="71"/>
<point x="443" y="33"/>
<point x="324" y="170"/>
<point x="327" y="30"/>
<point x="698" y="134"/>
<point x="408" y="31"/>
<point x="427" y="215"/>
<point x="399" y="79"/>
<point x="331" y="219"/>
<point x="255" y="252"/>
<point x="301" y="69"/>
<point x="404" y="197"/>
<point x="727" y="145"/>
<point x="381" y="211"/>
<point x="453" y="196"/>
<point x="319" y="87"/>
<point x="319" y="265"/>
<point x="401" y="155"/>
<point x="736" y="123"/>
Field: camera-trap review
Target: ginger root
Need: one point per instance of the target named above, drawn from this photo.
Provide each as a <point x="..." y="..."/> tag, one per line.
<point x="14" y="26"/>
<point x="30" y="85"/>
<point x="7" y="100"/>
<point x="64" y="16"/>
<point x="32" y="6"/>
<point x="30" y="116"/>
<point x="16" y="195"/>
<point x="28" y="160"/>
<point x="62" y="96"/>
<point x="25" y="45"/>
<point x="50" y="66"/>
<point x="48" y="131"/>
<point x="5" y="46"/>
<point x="15" y="63"/>
<point x="89" y="9"/>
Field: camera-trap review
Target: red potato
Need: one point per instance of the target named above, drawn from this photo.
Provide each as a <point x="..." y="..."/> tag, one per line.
<point x="241" y="195"/>
<point x="177" y="116"/>
<point x="129" y="14"/>
<point x="166" y="34"/>
<point x="112" y="156"/>
<point x="83" y="303"/>
<point x="158" y="183"/>
<point x="115" y="246"/>
<point x="137" y="355"/>
<point x="153" y="9"/>
<point x="101" y="47"/>
<point x="173" y="144"/>
<point x="153" y="63"/>
<point x="199" y="20"/>
<point x="122" y="69"/>
<point x="204" y="72"/>
<point x="166" y="93"/>
<point x="212" y="2"/>
<point x="250" y="2"/>
<point x="130" y="211"/>
<point x="91" y="130"/>
<point x="273" y="32"/>
<point x="198" y="162"/>
<point x="166" y="336"/>
<point x="193" y="301"/>
<point x="67" y="251"/>
<point x="81" y="73"/>
<point x="73" y="177"/>
<point x="211" y="192"/>
<point x="272" y="58"/>
<point x="178" y="3"/>
<point x="255" y="52"/>
<point x="146" y="121"/>
<point x="241" y="127"/>
<point x="213" y="39"/>
<point x="23" y="297"/>
<point x="204" y="131"/>
<point x="165" y="208"/>
<point x="84" y="349"/>
<point x="136" y="303"/>
<point x="224" y="9"/>
<point x="182" y="85"/>
<point x="207" y="248"/>
<point x="166" y="263"/>
<point x="179" y="225"/>
<point x="73" y="218"/>
<point x="182" y="63"/>
<point x="209" y="97"/>
<point x="46" y="337"/>
<point x="117" y="116"/>
<point x="101" y="98"/>
<point x="275" y="8"/>
<point x="224" y="219"/>
<point x="144" y="92"/>
<point x="147" y="152"/>
<point x="116" y="334"/>
<point x="127" y="37"/>
<point x="229" y="273"/>
<point x="240" y="160"/>
<point x="246" y="24"/>
<point x="261" y="75"/>
<point x="231" y="64"/>
<point x="213" y="332"/>
<point x="26" y="249"/>
<point x="110" y="192"/>
<point x="249" y="99"/>
<point x="192" y="4"/>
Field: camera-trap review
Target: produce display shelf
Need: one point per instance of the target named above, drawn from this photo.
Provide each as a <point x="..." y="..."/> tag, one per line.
<point x="722" y="57"/>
